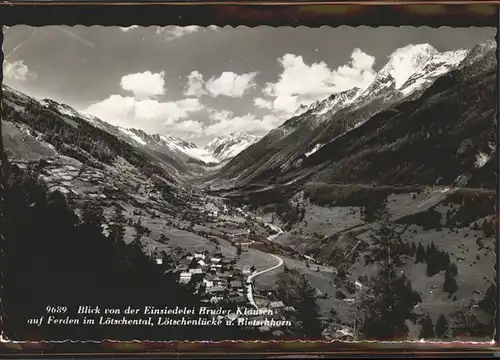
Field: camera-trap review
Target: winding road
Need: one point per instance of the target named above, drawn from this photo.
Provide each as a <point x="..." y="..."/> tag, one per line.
<point x="254" y="275"/>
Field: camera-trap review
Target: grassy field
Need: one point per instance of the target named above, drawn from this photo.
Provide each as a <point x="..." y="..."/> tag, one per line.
<point x="334" y="230"/>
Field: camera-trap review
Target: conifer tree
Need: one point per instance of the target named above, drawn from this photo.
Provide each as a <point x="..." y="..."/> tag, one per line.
<point x="294" y="289"/>
<point x="441" y="326"/>
<point x="116" y="229"/>
<point x="413" y="249"/>
<point x="390" y="300"/>
<point x="427" y="331"/>
<point x="434" y="260"/>
<point x="489" y="302"/>
<point x="238" y="249"/>
<point x="420" y="255"/>
<point x="450" y="285"/>
<point x="453" y="269"/>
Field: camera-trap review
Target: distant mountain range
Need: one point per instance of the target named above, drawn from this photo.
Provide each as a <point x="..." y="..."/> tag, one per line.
<point x="226" y="147"/>
<point x="417" y="97"/>
<point x="217" y="151"/>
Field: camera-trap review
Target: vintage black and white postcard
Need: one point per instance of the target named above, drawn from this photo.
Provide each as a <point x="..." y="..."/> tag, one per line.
<point x="210" y="183"/>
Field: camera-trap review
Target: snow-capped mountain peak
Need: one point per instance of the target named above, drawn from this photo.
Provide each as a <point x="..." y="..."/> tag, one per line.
<point x="156" y="140"/>
<point x="228" y="146"/>
<point x="417" y="61"/>
<point x="219" y="149"/>
<point x="335" y="101"/>
<point x="438" y="65"/>
<point x="409" y="69"/>
<point x="173" y="140"/>
<point x="405" y="61"/>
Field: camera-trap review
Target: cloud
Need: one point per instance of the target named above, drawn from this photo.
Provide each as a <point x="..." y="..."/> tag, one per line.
<point x="226" y="123"/>
<point x="171" y="33"/>
<point x="361" y="60"/>
<point x="213" y="28"/>
<point x="263" y="103"/>
<point x="300" y="83"/>
<point x="17" y="71"/>
<point x="128" y="28"/>
<point x="144" y="111"/>
<point x="230" y="84"/>
<point x="171" y="112"/>
<point x="147" y="114"/>
<point x="227" y="84"/>
<point x="195" y="85"/>
<point x="174" y="32"/>
<point x="187" y="128"/>
<point x="144" y="84"/>
<point x="287" y="103"/>
<point x="116" y="110"/>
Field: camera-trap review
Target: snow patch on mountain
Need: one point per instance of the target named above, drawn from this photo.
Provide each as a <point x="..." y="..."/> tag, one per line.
<point x="334" y="102"/>
<point x="409" y="69"/>
<point x="177" y="145"/>
<point x="313" y="150"/>
<point x="224" y="148"/>
<point x="407" y="60"/>
<point x="479" y="51"/>
<point x="63" y="109"/>
<point x="202" y="154"/>
<point x="438" y="65"/>
<point x="481" y="159"/>
<point x="133" y="135"/>
<point x="189" y="149"/>
<point x="220" y="149"/>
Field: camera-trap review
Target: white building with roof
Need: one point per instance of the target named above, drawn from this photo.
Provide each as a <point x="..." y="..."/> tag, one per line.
<point x="202" y="263"/>
<point x="196" y="271"/>
<point x="276" y="304"/>
<point x="185" y="277"/>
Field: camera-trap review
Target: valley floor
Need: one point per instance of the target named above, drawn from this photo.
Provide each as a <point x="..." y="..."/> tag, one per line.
<point x="333" y="235"/>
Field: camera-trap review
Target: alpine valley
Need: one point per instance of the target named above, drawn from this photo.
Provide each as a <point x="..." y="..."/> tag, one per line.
<point x="382" y="199"/>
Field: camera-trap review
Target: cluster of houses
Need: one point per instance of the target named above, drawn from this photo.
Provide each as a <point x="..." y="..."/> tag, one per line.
<point x="220" y="282"/>
<point x="214" y="211"/>
<point x="214" y="277"/>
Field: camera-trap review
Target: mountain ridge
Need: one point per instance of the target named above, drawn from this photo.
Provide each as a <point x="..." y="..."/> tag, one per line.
<point x="226" y="147"/>
<point x="303" y="135"/>
<point x="175" y="147"/>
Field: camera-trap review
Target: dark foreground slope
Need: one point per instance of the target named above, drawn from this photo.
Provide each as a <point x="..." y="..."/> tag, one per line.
<point x="52" y="257"/>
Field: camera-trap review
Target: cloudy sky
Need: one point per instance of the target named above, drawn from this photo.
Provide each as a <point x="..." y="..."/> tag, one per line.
<point x="198" y="83"/>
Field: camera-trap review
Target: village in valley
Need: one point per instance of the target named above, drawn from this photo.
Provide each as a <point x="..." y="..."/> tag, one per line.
<point x="220" y="283"/>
